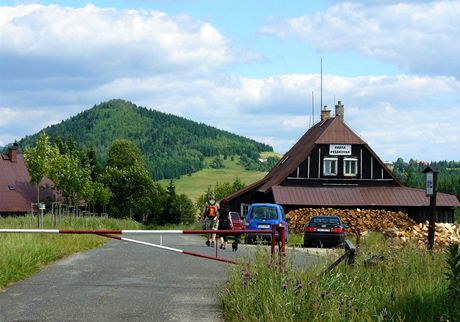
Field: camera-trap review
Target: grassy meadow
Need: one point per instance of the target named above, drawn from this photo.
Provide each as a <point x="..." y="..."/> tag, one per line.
<point x="196" y="184"/>
<point x="22" y="255"/>
<point x="387" y="283"/>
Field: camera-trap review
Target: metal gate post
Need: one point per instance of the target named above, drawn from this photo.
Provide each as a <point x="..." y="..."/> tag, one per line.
<point x="282" y="237"/>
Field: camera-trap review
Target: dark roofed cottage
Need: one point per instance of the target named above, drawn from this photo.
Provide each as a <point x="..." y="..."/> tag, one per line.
<point x="330" y="166"/>
<point x="16" y="192"/>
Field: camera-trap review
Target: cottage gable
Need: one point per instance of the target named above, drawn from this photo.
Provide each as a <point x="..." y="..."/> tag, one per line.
<point x="330" y="153"/>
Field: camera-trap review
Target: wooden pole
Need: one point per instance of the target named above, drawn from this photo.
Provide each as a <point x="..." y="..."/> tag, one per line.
<point x="433" y="214"/>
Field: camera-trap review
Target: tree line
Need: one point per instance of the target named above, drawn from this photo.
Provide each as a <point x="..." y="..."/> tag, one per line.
<point x="122" y="187"/>
<point x="410" y="174"/>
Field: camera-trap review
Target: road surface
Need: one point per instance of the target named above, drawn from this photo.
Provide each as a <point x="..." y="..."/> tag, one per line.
<point x="126" y="282"/>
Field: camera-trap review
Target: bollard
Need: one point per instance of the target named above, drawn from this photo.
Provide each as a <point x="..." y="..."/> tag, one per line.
<point x="282" y="237"/>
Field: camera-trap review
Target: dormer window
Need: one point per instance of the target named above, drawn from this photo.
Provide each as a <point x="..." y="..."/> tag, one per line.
<point x="350" y="167"/>
<point x="330" y="166"/>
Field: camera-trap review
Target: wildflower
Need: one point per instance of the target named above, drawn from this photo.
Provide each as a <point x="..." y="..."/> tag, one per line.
<point x="284" y="286"/>
<point x="323" y="294"/>
<point x="269" y="265"/>
<point x="384" y="313"/>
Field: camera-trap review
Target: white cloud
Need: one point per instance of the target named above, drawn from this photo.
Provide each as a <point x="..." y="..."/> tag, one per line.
<point x="408" y="116"/>
<point x="103" y="42"/>
<point x="59" y="61"/>
<point x="419" y="38"/>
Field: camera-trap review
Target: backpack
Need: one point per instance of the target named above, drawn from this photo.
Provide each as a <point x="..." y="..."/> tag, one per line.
<point x="211" y="211"/>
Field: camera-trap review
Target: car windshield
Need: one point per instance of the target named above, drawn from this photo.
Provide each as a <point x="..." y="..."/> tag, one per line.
<point x="235" y="215"/>
<point x="263" y="212"/>
<point x="330" y="221"/>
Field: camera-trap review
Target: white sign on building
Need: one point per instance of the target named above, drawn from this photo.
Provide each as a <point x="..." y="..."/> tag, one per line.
<point x="340" y="149"/>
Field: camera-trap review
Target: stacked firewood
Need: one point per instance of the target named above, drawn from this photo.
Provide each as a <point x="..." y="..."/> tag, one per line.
<point x="444" y="233"/>
<point x="390" y="223"/>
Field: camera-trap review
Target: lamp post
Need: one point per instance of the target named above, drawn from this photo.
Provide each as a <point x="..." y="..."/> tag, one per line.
<point x="431" y="189"/>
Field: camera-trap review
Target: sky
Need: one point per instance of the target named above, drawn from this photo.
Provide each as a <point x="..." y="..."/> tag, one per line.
<point x="249" y="67"/>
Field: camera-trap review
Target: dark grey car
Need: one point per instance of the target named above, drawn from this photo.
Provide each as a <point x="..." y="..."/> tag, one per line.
<point x="324" y="230"/>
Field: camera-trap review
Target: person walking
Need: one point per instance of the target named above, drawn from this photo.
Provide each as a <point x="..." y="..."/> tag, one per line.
<point x="210" y="218"/>
<point x="225" y="223"/>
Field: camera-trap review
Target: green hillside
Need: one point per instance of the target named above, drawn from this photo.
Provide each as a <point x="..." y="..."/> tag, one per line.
<point x="196" y="184"/>
<point x="172" y="146"/>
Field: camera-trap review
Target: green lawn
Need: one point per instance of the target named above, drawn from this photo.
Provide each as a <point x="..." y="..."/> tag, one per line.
<point x="22" y="255"/>
<point x="195" y="185"/>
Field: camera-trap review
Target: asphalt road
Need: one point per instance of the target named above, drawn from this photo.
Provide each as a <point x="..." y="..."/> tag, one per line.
<point x="126" y="282"/>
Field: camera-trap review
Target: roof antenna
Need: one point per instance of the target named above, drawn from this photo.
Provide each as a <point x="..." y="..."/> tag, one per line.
<point x="321" y="106"/>
<point x="312" y="120"/>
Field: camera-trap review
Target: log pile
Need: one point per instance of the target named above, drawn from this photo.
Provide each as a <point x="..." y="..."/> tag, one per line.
<point x="391" y="224"/>
<point x="444" y="233"/>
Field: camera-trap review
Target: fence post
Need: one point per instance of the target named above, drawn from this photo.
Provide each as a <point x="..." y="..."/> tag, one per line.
<point x="273" y="240"/>
<point x="282" y="237"/>
<point x="350" y="252"/>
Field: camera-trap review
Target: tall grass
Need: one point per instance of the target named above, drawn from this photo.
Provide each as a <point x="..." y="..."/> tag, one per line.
<point x="387" y="283"/>
<point x="22" y="255"/>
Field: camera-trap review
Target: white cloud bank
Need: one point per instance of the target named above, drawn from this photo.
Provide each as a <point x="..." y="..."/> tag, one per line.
<point x="419" y="38"/>
<point x="103" y="43"/>
<point x="57" y="61"/>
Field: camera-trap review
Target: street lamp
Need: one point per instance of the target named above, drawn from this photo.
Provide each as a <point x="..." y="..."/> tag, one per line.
<point x="431" y="189"/>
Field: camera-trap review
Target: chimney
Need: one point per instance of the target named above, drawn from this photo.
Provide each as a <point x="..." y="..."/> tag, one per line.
<point x="325" y="114"/>
<point x="12" y="152"/>
<point x="339" y="111"/>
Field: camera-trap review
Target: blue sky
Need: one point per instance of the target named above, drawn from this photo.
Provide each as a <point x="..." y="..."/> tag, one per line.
<point x="248" y="67"/>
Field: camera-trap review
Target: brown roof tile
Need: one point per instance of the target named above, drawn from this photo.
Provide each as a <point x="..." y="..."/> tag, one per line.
<point x="358" y="196"/>
<point x="16" y="191"/>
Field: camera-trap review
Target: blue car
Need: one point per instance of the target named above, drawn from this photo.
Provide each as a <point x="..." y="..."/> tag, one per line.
<point x="261" y="216"/>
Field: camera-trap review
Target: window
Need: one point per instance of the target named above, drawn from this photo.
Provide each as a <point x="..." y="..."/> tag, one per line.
<point x="330" y="166"/>
<point x="244" y="210"/>
<point x="264" y="212"/>
<point x="350" y="166"/>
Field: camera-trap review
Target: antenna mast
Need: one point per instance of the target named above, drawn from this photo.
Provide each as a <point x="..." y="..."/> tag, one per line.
<point x="312" y="120"/>
<point x="321" y="106"/>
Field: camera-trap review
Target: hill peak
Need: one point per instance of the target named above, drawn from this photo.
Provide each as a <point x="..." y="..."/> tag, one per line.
<point x="172" y="145"/>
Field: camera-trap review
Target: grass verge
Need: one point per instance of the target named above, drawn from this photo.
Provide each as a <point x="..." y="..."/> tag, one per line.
<point x="22" y="255"/>
<point x="387" y="283"/>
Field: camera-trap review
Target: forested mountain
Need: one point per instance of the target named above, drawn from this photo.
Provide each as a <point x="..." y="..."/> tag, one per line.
<point x="171" y="145"/>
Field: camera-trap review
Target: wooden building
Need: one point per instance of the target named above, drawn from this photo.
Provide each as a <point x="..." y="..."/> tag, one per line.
<point x="17" y="194"/>
<point x="331" y="166"/>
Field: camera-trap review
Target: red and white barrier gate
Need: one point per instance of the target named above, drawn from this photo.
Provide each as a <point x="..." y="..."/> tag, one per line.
<point x="113" y="233"/>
